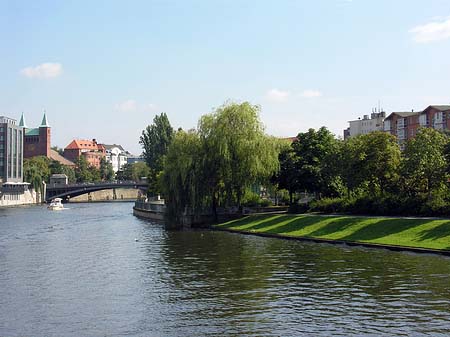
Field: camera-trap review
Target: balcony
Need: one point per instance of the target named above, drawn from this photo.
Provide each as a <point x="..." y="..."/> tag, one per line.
<point x="401" y="123"/>
<point x="401" y="134"/>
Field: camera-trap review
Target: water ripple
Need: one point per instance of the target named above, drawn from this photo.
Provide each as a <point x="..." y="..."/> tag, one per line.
<point x="81" y="273"/>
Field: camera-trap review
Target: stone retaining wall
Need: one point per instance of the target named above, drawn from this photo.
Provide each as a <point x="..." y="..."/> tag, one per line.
<point x="107" y="195"/>
<point x="15" y="199"/>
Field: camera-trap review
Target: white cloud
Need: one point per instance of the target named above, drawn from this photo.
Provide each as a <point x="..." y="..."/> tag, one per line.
<point x="126" y="106"/>
<point x="311" y="93"/>
<point x="44" y="70"/>
<point x="276" y="95"/>
<point x="433" y="31"/>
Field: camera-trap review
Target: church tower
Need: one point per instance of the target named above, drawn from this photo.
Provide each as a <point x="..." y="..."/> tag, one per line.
<point x="37" y="140"/>
<point x="44" y="137"/>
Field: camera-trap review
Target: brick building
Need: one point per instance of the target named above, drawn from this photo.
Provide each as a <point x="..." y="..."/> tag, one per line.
<point x="37" y="141"/>
<point x="436" y="117"/>
<point x="89" y="149"/>
<point x="404" y="125"/>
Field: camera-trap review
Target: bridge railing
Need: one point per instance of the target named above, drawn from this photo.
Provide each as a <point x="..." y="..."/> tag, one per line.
<point x="117" y="183"/>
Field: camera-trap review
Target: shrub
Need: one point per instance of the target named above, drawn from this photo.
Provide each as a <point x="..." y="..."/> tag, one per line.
<point x="329" y="205"/>
<point x="251" y="199"/>
<point x="298" y="208"/>
<point x="265" y="203"/>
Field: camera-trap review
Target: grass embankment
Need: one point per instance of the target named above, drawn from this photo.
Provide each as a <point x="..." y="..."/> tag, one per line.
<point x="405" y="232"/>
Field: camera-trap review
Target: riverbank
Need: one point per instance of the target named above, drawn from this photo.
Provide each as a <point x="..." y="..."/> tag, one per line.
<point x="415" y="234"/>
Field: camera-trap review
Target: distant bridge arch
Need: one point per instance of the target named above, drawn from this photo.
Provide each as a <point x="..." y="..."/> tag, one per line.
<point x="66" y="192"/>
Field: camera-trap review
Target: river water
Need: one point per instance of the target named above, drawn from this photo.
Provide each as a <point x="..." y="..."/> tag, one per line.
<point x="95" y="270"/>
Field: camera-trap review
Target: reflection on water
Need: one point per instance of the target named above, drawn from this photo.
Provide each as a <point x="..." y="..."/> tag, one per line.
<point x="81" y="273"/>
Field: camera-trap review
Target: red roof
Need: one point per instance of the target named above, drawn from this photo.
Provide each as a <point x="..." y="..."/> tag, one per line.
<point x="79" y="144"/>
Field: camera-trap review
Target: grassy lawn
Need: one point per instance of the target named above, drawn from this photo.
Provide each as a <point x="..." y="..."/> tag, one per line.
<point x="422" y="233"/>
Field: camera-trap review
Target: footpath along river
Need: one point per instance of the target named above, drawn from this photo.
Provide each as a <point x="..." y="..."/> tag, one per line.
<point x="81" y="272"/>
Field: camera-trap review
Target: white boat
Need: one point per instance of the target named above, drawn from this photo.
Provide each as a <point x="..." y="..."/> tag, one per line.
<point x="55" y="205"/>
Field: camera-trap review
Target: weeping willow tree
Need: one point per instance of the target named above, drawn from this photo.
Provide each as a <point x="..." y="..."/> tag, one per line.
<point x="238" y="152"/>
<point x="35" y="171"/>
<point x="182" y="175"/>
<point x="215" y="164"/>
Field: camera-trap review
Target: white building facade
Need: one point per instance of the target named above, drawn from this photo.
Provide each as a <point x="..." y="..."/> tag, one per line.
<point x="365" y="125"/>
<point x="116" y="155"/>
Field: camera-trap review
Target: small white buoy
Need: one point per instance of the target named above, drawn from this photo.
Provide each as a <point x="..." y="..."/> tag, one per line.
<point x="136" y="240"/>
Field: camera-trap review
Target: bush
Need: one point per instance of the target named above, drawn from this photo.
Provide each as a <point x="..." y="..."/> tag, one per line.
<point x="298" y="208"/>
<point x="390" y="204"/>
<point x="251" y="199"/>
<point x="436" y="205"/>
<point x="265" y="203"/>
<point x="330" y="205"/>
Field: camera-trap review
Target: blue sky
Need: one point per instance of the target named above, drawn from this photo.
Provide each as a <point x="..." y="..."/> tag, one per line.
<point x="103" y="69"/>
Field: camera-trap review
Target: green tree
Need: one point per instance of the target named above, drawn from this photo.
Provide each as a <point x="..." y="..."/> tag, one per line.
<point x="237" y="152"/>
<point x="70" y="173"/>
<point x="155" y="140"/>
<point x="57" y="168"/>
<point x="106" y="170"/>
<point x="82" y="172"/>
<point x="311" y="149"/>
<point x="135" y="171"/>
<point x="125" y="173"/>
<point x="424" y="166"/>
<point x="382" y="161"/>
<point x="371" y="163"/>
<point x="36" y="170"/>
<point x="182" y="175"/>
<point x="287" y="177"/>
<point x="216" y="164"/>
<point x="139" y="170"/>
<point x="96" y="175"/>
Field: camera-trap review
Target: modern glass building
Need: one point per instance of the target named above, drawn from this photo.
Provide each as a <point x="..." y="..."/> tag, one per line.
<point x="11" y="151"/>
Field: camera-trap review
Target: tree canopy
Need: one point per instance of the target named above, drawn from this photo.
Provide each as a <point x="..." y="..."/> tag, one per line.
<point x="155" y="140"/>
<point x="425" y="166"/>
<point x="216" y="163"/>
<point x="311" y="148"/>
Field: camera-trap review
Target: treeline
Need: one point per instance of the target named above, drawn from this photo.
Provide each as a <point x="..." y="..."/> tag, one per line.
<point x="369" y="174"/>
<point x="228" y="155"/>
<point x="40" y="168"/>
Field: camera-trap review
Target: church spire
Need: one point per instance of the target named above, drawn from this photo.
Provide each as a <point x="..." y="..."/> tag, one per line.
<point x="22" y="121"/>
<point x="44" y="123"/>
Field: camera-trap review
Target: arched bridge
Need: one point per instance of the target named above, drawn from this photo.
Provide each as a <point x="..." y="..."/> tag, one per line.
<point x="73" y="190"/>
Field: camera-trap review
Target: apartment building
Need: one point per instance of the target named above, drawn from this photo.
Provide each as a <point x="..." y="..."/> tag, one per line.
<point x="11" y="151"/>
<point x="116" y="155"/>
<point x="436" y="117"/>
<point x="404" y="125"/>
<point x="365" y="125"/>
